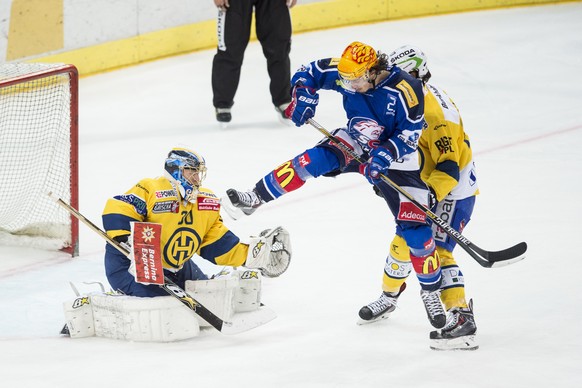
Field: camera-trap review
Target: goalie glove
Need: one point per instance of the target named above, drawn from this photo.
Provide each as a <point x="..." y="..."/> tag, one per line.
<point x="270" y="252"/>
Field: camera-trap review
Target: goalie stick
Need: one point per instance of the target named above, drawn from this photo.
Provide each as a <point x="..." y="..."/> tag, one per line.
<point x="487" y="259"/>
<point x="245" y="322"/>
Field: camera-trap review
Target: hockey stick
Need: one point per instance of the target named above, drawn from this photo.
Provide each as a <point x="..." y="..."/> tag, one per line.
<point x="485" y="258"/>
<point x="172" y="288"/>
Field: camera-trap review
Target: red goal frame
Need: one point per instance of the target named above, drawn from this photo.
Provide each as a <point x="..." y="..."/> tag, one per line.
<point x="73" y="73"/>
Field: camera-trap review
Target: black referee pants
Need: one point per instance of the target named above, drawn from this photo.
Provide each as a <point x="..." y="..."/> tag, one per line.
<point x="273" y="28"/>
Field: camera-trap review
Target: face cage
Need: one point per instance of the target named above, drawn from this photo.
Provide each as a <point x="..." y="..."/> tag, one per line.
<point x="200" y="170"/>
<point x="348" y="84"/>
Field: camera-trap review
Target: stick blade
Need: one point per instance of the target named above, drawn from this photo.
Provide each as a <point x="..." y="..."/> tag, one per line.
<point x="503" y="263"/>
<point x="512" y="254"/>
<point x="246" y="321"/>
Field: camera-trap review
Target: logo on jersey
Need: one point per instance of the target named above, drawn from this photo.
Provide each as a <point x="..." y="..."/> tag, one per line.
<point x="165" y="193"/>
<point x="439" y="96"/>
<point x="138" y="204"/>
<point x="408" y="93"/>
<point x="444" y="144"/>
<point x="365" y="131"/>
<point x="410" y="212"/>
<point x="207" y="194"/>
<point x="410" y="141"/>
<point x="181" y="246"/>
<point x="143" y="188"/>
<point x="208" y="203"/>
<point x="166" y="207"/>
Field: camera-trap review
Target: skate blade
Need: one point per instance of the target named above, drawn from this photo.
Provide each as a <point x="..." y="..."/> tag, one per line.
<point x="222" y="125"/>
<point x="361" y="321"/>
<point x="233" y="212"/>
<point x="467" y="342"/>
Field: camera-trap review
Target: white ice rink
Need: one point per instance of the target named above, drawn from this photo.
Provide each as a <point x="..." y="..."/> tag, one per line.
<point x="516" y="77"/>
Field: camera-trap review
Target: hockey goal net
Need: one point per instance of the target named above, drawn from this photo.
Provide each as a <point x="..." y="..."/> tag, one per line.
<point x="38" y="154"/>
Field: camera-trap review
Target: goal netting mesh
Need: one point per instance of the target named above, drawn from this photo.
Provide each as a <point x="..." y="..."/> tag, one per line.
<point x="37" y="154"/>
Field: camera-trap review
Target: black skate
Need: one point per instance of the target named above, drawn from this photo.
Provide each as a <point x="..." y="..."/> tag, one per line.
<point x="459" y="332"/>
<point x="380" y="308"/>
<point x="434" y="308"/>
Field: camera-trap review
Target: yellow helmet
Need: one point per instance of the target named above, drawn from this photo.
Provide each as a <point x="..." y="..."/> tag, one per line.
<point x="356" y="60"/>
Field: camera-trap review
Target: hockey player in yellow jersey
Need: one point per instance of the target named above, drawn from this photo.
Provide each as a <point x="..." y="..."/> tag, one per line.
<point x="448" y="169"/>
<point x="191" y="224"/>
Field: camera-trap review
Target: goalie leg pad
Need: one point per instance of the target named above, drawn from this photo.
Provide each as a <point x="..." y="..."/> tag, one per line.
<point x="217" y="295"/>
<point x="131" y="318"/>
<point x="79" y="317"/>
<point x="247" y="296"/>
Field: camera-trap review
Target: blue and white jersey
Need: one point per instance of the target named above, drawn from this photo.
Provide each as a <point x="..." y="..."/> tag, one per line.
<point x="390" y="115"/>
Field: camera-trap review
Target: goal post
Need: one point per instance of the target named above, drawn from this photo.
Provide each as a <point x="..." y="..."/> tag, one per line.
<point x="38" y="154"/>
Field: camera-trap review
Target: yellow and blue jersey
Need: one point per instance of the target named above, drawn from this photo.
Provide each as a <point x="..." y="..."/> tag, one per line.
<point x="445" y="152"/>
<point x="187" y="228"/>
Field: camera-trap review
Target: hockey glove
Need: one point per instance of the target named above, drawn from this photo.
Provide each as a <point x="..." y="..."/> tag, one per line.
<point x="432" y="198"/>
<point x="379" y="162"/>
<point x="303" y="105"/>
<point x="270" y="252"/>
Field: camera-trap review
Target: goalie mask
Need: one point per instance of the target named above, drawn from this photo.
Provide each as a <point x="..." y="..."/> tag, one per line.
<point x="410" y="58"/>
<point x="187" y="170"/>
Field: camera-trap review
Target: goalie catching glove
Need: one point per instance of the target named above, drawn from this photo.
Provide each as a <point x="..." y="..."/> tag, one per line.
<point x="270" y="252"/>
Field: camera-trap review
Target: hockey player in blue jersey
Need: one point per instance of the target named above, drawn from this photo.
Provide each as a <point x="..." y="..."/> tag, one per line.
<point x="448" y="169"/>
<point x="384" y="108"/>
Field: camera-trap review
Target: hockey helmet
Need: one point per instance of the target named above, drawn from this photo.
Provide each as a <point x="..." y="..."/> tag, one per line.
<point x="187" y="169"/>
<point x="356" y="60"/>
<point x="410" y="58"/>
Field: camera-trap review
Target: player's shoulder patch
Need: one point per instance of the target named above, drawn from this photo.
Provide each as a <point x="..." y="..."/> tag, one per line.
<point x="327" y="64"/>
<point x="334" y="61"/>
<point x="408" y="92"/>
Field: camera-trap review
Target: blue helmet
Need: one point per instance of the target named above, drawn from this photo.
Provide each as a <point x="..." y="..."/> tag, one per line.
<point x="189" y="181"/>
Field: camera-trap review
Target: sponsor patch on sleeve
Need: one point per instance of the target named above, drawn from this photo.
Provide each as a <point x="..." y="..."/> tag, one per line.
<point x="138" y="204"/>
<point x="408" y="93"/>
